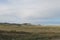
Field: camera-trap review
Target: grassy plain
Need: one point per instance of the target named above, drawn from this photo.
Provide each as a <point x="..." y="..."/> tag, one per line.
<point x="32" y="32"/>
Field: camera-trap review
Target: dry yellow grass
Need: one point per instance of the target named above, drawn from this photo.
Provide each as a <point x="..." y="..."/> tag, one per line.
<point x="38" y="32"/>
<point x="31" y="28"/>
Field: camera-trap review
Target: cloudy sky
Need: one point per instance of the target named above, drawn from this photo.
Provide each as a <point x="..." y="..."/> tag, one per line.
<point x="30" y="11"/>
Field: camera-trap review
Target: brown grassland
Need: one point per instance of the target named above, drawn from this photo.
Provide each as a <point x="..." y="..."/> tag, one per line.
<point x="29" y="32"/>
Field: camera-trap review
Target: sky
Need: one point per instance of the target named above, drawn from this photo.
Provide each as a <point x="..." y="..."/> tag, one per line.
<point x="30" y="11"/>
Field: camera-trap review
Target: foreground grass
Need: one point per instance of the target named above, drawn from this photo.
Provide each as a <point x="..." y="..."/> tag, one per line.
<point x="13" y="35"/>
<point x="13" y="32"/>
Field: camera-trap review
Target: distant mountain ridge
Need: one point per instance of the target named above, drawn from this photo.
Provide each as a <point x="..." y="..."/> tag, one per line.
<point x="27" y="24"/>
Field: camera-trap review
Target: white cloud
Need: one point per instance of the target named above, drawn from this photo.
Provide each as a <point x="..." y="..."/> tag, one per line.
<point x="25" y="9"/>
<point x="38" y="8"/>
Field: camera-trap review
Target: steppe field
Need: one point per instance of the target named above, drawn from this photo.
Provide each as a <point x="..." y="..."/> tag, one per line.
<point x="29" y="32"/>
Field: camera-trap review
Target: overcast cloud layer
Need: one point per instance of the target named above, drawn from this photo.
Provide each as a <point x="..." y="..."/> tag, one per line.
<point x="33" y="11"/>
